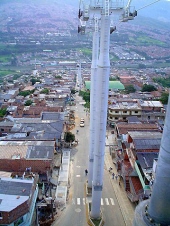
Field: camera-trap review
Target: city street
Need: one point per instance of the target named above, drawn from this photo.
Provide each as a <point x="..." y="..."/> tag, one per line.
<point x="75" y="212"/>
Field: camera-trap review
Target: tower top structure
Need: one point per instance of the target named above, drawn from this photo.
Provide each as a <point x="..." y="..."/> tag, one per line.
<point x="113" y="8"/>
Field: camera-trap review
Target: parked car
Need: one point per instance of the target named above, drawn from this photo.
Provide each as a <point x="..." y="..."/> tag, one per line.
<point x="81" y="124"/>
<point x="82" y="120"/>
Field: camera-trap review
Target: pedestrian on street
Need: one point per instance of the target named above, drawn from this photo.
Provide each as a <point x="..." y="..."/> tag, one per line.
<point x="113" y="175"/>
<point x="116" y="176"/>
<point x="86" y="172"/>
<point x="110" y="168"/>
<point x="119" y="181"/>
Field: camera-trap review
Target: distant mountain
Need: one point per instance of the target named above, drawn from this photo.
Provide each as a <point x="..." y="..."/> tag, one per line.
<point x="159" y="11"/>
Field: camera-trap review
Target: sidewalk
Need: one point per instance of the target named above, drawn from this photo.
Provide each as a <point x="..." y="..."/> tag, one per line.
<point x="127" y="208"/>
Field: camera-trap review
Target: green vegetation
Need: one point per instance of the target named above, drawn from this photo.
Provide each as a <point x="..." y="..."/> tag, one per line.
<point x="130" y="89"/>
<point x="149" y="41"/>
<point x="96" y="222"/>
<point x="28" y="102"/>
<point x="2" y="112"/>
<point x="45" y="91"/>
<point x="86" y="52"/>
<point x="34" y="80"/>
<point x="69" y="137"/>
<point x="87" y="105"/>
<point x="85" y="95"/>
<point x="164" y="98"/>
<point x="26" y="93"/>
<point x="165" y="82"/>
<point x="16" y="76"/>
<point x="6" y="72"/>
<point x="58" y="77"/>
<point x="112" y="79"/>
<point x="73" y="91"/>
<point x="5" y="59"/>
<point x="148" y="88"/>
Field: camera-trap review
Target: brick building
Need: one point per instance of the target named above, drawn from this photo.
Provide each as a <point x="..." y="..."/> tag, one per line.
<point x="17" y="156"/>
<point x="17" y="201"/>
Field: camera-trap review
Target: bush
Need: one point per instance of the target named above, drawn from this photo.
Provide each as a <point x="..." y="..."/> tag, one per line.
<point x="148" y="88"/>
<point x="69" y="137"/>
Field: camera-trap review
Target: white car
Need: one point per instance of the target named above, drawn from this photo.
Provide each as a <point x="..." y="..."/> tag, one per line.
<point x="81" y="124"/>
<point x="82" y="120"/>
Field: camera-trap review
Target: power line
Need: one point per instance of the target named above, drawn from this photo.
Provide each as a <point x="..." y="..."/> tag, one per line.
<point x="148" y="5"/>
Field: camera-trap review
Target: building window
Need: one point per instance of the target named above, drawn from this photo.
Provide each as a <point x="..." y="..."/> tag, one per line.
<point x="2" y="130"/>
<point x="124" y="111"/>
<point x="136" y="111"/>
<point x="124" y="118"/>
<point x="116" y="118"/>
<point x="116" y="111"/>
<point x="111" y="111"/>
<point x="110" y="117"/>
<point x="1" y="216"/>
<point x="19" y="221"/>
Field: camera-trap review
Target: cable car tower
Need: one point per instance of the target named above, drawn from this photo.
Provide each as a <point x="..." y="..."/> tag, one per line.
<point x="100" y="13"/>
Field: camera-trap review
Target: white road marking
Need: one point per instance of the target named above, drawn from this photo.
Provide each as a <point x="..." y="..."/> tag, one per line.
<point x="77" y="175"/>
<point x="73" y="201"/>
<point x="84" y="201"/>
<point x="78" y="201"/>
<point x="112" y="201"/>
<point x="107" y="201"/>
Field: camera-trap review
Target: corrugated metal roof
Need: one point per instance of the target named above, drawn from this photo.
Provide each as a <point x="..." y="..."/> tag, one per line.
<point x="10" y="197"/>
<point x="144" y="144"/>
<point x="145" y="159"/>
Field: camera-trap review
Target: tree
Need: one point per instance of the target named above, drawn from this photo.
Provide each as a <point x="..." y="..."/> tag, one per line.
<point x="45" y="91"/>
<point x="73" y="91"/>
<point x="148" y="88"/>
<point x="69" y="137"/>
<point x="28" y="102"/>
<point x="26" y="93"/>
<point x="113" y="79"/>
<point x="85" y="95"/>
<point x="130" y="89"/>
<point x="2" y="112"/>
<point x="164" y="98"/>
<point x="34" y="80"/>
<point x="58" y="77"/>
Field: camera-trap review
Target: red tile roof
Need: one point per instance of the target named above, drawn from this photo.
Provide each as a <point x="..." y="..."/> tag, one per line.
<point x="136" y="184"/>
<point x="124" y="128"/>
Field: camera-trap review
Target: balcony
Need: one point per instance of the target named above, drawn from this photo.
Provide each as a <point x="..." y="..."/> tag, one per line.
<point x="143" y="180"/>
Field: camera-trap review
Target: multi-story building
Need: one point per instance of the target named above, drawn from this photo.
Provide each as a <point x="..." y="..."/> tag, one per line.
<point x="17" y="201"/>
<point x="120" y="109"/>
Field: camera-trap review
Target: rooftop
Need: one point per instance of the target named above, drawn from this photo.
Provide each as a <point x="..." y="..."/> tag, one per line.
<point x="10" y="198"/>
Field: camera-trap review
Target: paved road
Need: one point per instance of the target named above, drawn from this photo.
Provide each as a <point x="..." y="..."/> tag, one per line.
<point x="75" y="212"/>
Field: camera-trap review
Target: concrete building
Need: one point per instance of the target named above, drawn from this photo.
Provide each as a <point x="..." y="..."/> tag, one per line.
<point x="121" y="109"/>
<point x="17" y="156"/>
<point x="138" y="148"/>
<point x="17" y="201"/>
